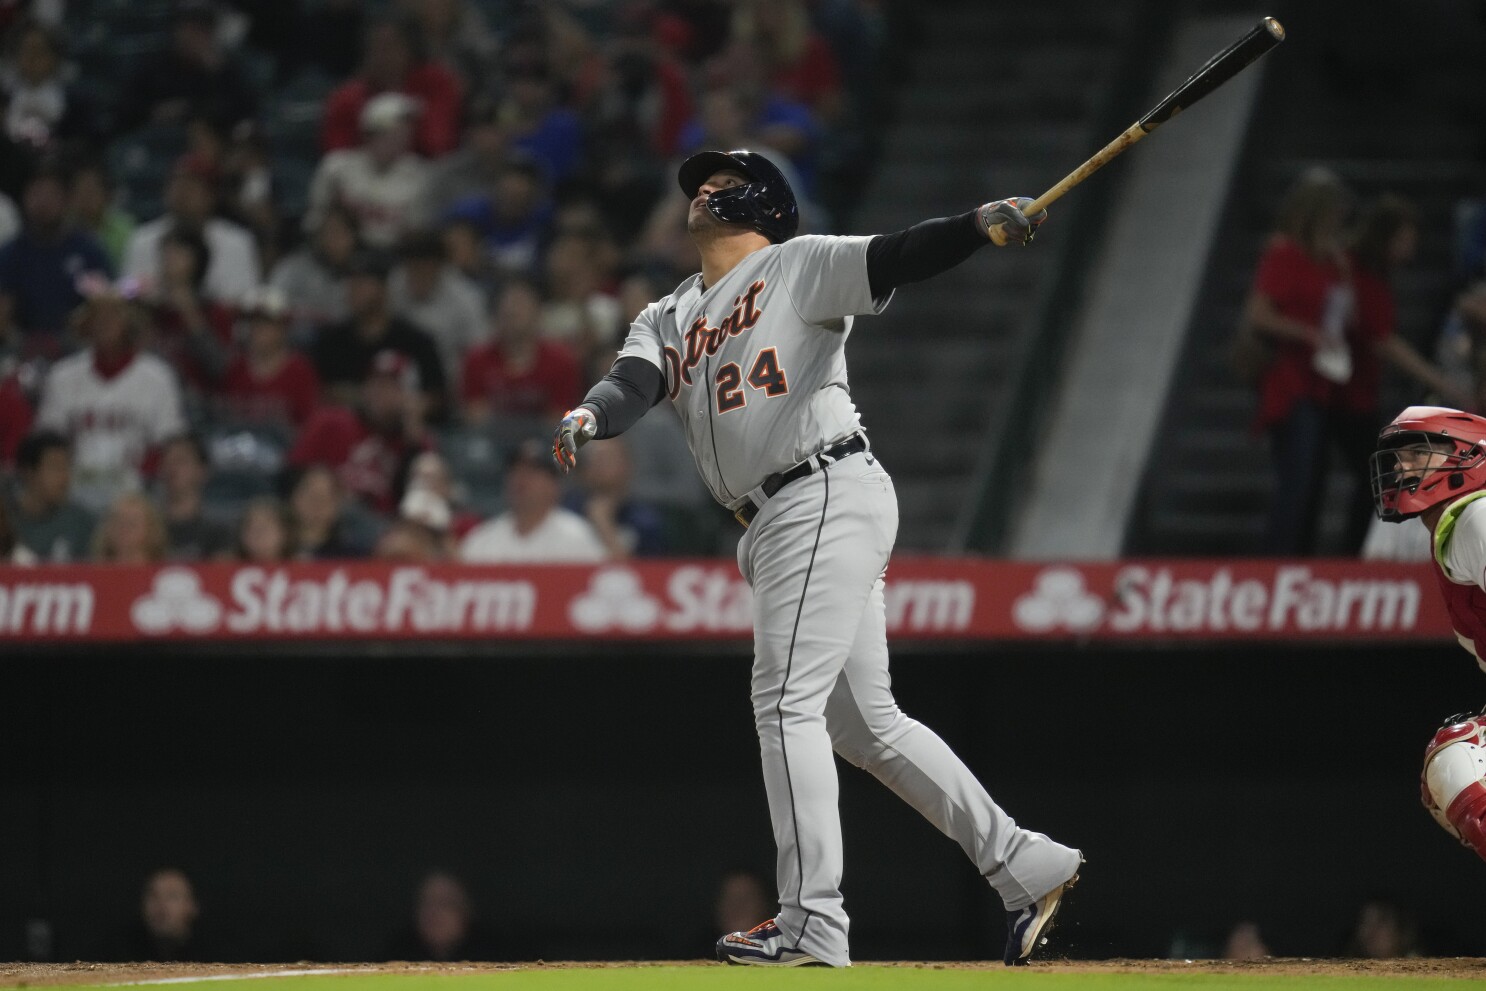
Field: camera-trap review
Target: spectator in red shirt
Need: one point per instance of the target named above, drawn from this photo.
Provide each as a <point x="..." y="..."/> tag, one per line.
<point x="519" y="374"/>
<point x="393" y="62"/>
<point x="15" y="415"/>
<point x="1301" y="301"/>
<point x="1329" y="322"/>
<point x="369" y="446"/>
<point x="267" y="381"/>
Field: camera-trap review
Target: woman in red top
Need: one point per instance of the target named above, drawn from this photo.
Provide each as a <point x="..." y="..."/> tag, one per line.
<point x="1330" y="315"/>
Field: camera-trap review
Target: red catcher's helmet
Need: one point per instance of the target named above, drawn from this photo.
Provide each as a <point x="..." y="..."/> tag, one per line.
<point x="1427" y="456"/>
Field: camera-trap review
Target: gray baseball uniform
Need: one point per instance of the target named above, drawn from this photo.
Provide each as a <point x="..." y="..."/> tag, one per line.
<point x="756" y="367"/>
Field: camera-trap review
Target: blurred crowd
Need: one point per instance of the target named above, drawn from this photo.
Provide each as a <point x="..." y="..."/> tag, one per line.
<point x="443" y="923"/>
<point x="292" y="279"/>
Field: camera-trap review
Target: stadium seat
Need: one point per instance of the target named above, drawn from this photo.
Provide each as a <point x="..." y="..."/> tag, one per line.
<point x="245" y="460"/>
<point x="477" y="460"/>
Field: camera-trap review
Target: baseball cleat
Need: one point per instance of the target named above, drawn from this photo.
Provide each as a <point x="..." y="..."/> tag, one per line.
<point x="763" y="946"/>
<point x="1027" y="928"/>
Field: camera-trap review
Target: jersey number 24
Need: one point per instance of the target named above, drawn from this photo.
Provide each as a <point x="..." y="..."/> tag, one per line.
<point x="766" y="376"/>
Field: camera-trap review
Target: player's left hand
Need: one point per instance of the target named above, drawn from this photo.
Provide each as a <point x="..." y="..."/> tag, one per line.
<point x="1004" y="222"/>
<point x="576" y="429"/>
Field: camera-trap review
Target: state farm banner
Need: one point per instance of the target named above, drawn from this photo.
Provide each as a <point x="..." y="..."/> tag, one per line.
<point x="927" y="599"/>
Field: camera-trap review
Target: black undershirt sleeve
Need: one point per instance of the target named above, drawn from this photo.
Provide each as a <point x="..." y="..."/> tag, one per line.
<point x="921" y="251"/>
<point x="619" y="399"/>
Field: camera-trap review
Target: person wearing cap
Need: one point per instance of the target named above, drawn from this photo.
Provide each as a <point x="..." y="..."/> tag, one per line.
<point x="343" y="352"/>
<point x="535" y="529"/>
<point x="191" y="201"/>
<point x="393" y="62"/>
<point x="435" y="296"/>
<point x="39" y="266"/>
<point x="381" y="180"/>
<point x="194" y="77"/>
<point x="267" y="381"/>
<point x="369" y="445"/>
<point x="115" y="403"/>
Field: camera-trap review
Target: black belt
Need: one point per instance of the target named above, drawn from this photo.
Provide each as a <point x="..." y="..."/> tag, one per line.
<point x="855" y="443"/>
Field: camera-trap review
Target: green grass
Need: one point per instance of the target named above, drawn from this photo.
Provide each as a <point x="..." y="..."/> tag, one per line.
<point x="860" y="978"/>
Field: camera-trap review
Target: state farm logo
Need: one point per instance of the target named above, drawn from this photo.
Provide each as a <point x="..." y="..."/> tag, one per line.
<point x="1142" y="599"/>
<point x="701" y="599"/>
<point x="278" y="601"/>
<point x="176" y="601"/>
<point x="31" y="608"/>
<point x="615" y="598"/>
<point x="1058" y="598"/>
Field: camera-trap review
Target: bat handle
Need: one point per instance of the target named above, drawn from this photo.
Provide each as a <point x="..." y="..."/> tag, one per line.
<point x="1000" y="238"/>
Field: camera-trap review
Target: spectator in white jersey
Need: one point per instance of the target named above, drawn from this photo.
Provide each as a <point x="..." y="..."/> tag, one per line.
<point x="191" y="201"/>
<point x="44" y="517"/>
<point x="382" y="181"/>
<point x="116" y="403"/>
<point x="535" y="529"/>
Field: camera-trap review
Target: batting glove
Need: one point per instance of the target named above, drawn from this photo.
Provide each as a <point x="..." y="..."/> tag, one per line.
<point x="1004" y="223"/>
<point x="576" y="429"/>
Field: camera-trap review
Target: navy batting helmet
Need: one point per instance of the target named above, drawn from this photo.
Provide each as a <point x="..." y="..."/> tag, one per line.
<point x="765" y="202"/>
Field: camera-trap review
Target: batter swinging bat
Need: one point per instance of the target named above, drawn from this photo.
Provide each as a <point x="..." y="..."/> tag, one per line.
<point x="1218" y="70"/>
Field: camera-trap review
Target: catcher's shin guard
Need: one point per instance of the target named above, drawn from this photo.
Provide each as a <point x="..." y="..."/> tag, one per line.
<point x="1453" y="785"/>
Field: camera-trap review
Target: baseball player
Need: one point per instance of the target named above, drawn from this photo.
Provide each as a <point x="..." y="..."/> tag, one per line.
<point x="751" y="352"/>
<point x="1431" y="463"/>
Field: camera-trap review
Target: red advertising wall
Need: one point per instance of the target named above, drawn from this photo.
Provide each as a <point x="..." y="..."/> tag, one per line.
<point x="928" y="598"/>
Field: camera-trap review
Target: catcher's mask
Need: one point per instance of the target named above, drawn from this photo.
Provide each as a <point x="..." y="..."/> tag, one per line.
<point x="765" y="202"/>
<point x="1427" y="456"/>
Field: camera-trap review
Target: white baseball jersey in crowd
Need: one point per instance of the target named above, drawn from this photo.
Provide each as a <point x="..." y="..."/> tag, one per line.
<point x="113" y="421"/>
<point x="756" y="367"/>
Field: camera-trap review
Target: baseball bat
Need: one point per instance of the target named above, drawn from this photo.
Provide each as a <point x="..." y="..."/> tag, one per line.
<point x="1218" y="70"/>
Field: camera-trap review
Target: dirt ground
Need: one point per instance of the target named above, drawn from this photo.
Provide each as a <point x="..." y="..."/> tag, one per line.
<point x="25" y="975"/>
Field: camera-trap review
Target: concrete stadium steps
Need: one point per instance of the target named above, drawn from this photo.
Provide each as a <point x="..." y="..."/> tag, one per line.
<point x="983" y="116"/>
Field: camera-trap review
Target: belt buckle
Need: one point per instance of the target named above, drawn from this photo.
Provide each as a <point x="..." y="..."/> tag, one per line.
<point x="741" y="518"/>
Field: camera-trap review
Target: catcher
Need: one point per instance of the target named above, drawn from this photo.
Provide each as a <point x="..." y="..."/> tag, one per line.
<point x="1431" y="463"/>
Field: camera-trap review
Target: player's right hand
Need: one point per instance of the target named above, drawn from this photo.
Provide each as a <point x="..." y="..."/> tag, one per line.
<point x="1004" y="222"/>
<point x="576" y="429"/>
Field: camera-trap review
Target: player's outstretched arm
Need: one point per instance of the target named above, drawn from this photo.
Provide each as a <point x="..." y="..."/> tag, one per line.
<point x="933" y="246"/>
<point x="612" y="406"/>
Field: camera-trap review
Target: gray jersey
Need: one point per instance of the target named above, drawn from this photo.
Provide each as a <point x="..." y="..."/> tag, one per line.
<point x="756" y="364"/>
